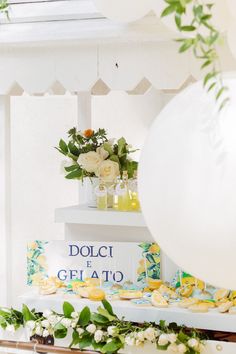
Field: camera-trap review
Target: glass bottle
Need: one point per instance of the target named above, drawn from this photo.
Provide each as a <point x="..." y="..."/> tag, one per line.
<point x="133" y="190"/>
<point x="112" y="193"/>
<point x="101" y="195"/>
<point x="122" y="192"/>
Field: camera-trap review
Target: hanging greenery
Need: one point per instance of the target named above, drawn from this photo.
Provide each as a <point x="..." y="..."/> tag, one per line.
<point x="202" y="41"/>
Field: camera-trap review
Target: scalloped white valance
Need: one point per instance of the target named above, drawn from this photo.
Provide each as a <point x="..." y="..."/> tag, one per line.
<point x="131" y="67"/>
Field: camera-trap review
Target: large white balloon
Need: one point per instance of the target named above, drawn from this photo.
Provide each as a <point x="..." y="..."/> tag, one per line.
<point x="231" y="37"/>
<point x="232" y="7"/>
<point x="187" y="185"/>
<point x="123" y="10"/>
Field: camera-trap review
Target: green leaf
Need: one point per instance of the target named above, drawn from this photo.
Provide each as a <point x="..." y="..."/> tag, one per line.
<point x="71" y="168"/>
<point x="106" y="314"/>
<point x="220" y="92"/>
<point x="108" y="307"/>
<point x="168" y="10"/>
<point x="85" y="341"/>
<point x="206" y="63"/>
<point x="75" y="174"/>
<point x="188" y="28"/>
<point x="223" y="103"/>
<point x="162" y="347"/>
<point x="27" y="314"/>
<point x="84" y="317"/>
<point x="68" y="309"/>
<point x="111" y="347"/>
<point x="211" y="86"/>
<point x="183" y="337"/>
<point x="121" y="146"/>
<point x="108" y="148"/>
<point x="75" y="339"/>
<point x="99" y="319"/>
<point x="60" y="331"/>
<point x="186" y="45"/>
<point x="114" y="158"/>
<point x="63" y="146"/>
<point x="73" y="149"/>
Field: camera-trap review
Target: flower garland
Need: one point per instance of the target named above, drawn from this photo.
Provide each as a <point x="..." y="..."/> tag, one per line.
<point x="103" y="330"/>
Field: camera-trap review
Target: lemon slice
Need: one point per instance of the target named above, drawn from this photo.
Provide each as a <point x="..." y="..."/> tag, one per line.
<point x="186" y="303"/>
<point x="225" y="307"/>
<point x="221" y="294"/>
<point x="158" y="300"/>
<point x="96" y="295"/>
<point x="199" y="308"/>
<point x="130" y="294"/>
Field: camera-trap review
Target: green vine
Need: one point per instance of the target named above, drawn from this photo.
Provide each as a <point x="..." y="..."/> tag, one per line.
<point x="202" y="41"/>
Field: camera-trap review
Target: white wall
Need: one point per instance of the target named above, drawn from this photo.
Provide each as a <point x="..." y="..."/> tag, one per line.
<point x="37" y="187"/>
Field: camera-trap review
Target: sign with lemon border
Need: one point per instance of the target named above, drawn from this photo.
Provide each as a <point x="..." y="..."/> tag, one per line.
<point x="116" y="262"/>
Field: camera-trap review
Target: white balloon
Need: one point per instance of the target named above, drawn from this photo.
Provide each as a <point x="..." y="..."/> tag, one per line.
<point x="123" y="10"/>
<point x="187" y="184"/>
<point x="232" y="7"/>
<point x="231" y="37"/>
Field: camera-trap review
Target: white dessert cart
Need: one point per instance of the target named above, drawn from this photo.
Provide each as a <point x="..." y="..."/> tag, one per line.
<point x="60" y="46"/>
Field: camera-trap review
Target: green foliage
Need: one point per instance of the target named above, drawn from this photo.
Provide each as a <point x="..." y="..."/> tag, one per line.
<point x="68" y="309"/>
<point x="60" y="331"/>
<point x="84" y="317"/>
<point x="27" y="314"/>
<point x="202" y="42"/>
<point x="98" y="335"/>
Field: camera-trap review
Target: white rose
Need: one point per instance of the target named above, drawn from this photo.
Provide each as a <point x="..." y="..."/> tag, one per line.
<point x="90" y="161"/>
<point x="98" y="336"/>
<point x="150" y="334"/>
<point x="140" y="336"/>
<point x="38" y="331"/>
<point x="129" y="341"/>
<point x="193" y="343"/>
<point x="74" y="323"/>
<point x="138" y="342"/>
<point x="102" y="152"/>
<point x="66" y="322"/>
<point x="10" y="328"/>
<point x="30" y="325"/>
<point x="108" y="170"/>
<point x="45" y="333"/>
<point x="182" y="348"/>
<point x="45" y="323"/>
<point x="111" y="330"/>
<point x="47" y="313"/>
<point x="80" y="331"/>
<point x="172" y="338"/>
<point x="163" y="339"/>
<point x="173" y="348"/>
<point x="74" y="315"/>
<point x="91" y="328"/>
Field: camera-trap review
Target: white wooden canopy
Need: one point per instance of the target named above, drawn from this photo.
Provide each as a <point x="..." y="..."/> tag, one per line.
<point x="58" y="46"/>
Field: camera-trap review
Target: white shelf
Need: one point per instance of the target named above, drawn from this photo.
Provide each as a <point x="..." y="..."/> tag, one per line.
<point x="213" y="320"/>
<point x="82" y="214"/>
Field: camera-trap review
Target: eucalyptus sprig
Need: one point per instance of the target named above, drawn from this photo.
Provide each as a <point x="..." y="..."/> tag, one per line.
<point x="202" y="41"/>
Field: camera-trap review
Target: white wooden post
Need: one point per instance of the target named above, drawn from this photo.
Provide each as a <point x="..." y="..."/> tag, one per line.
<point x="4" y="197"/>
<point x="84" y="122"/>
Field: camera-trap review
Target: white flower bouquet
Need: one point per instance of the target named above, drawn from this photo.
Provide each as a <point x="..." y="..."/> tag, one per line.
<point x="92" y="154"/>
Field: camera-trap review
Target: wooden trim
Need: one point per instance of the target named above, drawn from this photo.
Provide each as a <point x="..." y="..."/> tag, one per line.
<point x="42" y="348"/>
